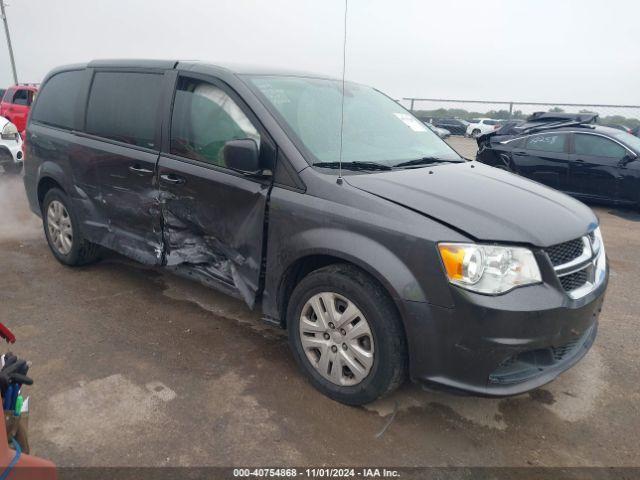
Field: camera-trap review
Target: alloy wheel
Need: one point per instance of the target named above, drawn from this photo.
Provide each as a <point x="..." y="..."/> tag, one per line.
<point x="336" y="338"/>
<point x="59" y="227"/>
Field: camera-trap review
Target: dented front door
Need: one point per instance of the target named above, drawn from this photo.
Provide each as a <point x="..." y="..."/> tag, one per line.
<point x="213" y="217"/>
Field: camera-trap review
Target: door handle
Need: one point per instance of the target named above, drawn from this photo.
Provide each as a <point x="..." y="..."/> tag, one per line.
<point x="140" y="170"/>
<point x="172" y="179"/>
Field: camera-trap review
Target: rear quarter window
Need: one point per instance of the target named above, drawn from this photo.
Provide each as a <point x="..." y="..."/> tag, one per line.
<point x="57" y="100"/>
<point x="550" y="142"/>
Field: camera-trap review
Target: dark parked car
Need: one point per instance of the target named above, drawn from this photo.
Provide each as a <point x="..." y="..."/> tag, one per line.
<point x="454" y="125"/>
<point x="575" y="156"/>
<point x="410" y="262"/>
<point x="618" y="126"/>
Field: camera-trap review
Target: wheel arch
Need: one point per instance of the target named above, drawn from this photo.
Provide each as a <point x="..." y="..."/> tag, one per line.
<point x="371" y="257"/>
<point x="45" y="184"/>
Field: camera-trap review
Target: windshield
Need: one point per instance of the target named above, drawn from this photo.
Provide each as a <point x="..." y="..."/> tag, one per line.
<point x="376" y="129"/>
<point x="629" y="140"/>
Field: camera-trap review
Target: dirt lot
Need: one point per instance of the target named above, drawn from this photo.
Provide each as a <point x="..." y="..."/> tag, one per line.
<point x="135" y="366"/>
<point x="467" y="147"/>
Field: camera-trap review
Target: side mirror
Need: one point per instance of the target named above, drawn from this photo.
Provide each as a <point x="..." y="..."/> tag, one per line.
<point x="242" y="155"/>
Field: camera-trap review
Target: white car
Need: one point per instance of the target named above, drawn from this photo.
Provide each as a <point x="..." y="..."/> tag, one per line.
<point x="10" y="147"/>
<point x="480" y="126"/>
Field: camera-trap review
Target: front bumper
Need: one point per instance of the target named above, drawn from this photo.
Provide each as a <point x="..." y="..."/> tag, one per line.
<point x="10" y="152"/>
<point x="501" y="345"/>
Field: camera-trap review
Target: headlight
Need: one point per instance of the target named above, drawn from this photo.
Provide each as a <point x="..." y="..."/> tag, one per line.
<point x="489" y="269"/>
<point x="596" y="241"/>
<point x="601" y="254"/>
<point x="9" y="132"/>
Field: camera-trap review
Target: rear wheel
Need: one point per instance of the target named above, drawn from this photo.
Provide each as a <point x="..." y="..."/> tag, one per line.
<point x="346" y="335"/>
<point x="62" y="230"/>
<point x="475" y="133"/>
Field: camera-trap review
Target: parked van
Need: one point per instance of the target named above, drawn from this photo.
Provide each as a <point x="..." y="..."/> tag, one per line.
<point x="400" y="260"/>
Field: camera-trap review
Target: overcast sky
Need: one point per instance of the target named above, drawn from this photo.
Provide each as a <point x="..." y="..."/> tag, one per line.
<point x="585" y="51"/>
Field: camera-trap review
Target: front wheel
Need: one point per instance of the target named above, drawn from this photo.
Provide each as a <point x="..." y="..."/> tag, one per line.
<point x="475" y="133"/>
<point x="346" y="335"/>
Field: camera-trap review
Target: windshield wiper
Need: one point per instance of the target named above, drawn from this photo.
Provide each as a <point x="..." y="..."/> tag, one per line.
<point x="353" y="165"/>
<point x="425" y="161"/>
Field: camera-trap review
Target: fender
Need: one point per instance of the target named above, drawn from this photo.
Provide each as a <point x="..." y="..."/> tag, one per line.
<point x="369" y="255"/>
<point x="54" y="171"/>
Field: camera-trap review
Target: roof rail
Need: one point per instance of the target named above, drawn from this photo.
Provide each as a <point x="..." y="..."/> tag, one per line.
<point x="558" y="116"/>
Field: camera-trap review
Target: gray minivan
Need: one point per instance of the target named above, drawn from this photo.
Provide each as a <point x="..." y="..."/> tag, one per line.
<point x="381" y="251"/>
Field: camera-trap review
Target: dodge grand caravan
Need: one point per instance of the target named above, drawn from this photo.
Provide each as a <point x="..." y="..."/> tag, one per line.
<point x="402" y="259"/>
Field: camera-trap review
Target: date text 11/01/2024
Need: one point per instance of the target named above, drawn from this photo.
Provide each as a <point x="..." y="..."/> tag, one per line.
<point x="316" y="472"/>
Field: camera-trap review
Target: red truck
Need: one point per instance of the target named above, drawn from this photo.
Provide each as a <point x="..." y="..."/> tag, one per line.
<point x="16" y="103"/>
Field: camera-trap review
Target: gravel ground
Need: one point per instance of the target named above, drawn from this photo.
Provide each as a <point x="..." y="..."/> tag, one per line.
<point x="466" y="147"/>
<point x="134" y="366"/>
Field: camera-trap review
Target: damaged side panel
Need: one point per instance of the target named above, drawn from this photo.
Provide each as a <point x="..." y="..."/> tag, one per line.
<point x="213" y="224"/>
<point x="123" y="214"/>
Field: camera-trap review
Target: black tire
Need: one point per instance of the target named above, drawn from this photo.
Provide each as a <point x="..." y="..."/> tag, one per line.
<point x="475" y="133"/>
<point x="82" y="251"/>
<point x="390" y="360"/>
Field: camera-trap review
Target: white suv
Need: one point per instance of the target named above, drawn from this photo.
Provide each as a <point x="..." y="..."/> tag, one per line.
<point x="480" y="126"/>
<point x="10" y="147"/>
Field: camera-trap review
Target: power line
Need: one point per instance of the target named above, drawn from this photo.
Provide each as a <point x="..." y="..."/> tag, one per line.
<point x="6" y="31"/>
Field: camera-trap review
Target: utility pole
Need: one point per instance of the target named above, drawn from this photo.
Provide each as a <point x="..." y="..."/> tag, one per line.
<point x="6" y="31"/>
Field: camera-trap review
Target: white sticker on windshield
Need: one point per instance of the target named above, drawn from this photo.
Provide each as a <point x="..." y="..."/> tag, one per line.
<point x="412" y="122"/>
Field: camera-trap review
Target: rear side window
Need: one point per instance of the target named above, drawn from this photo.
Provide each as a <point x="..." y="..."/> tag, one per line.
<point x="597" y="146"/>
<point x="124" y="106"/>
<point x="550" y="142"/>
<point x="56" y="103"/>
<point x="204" y="119"/>
<point x="490" y="122"/>
<point x="21" y="98"/>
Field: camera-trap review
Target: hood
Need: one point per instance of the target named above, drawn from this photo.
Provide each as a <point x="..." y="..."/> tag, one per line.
<point x="484" y="202"/>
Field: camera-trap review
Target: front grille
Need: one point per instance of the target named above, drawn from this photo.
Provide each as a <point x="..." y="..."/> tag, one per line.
<point x="574" y="280"/>
<point x="565" y="252"/>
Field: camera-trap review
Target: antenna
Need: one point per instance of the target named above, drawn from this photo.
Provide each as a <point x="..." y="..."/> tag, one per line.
<point x="344" y="67"/>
